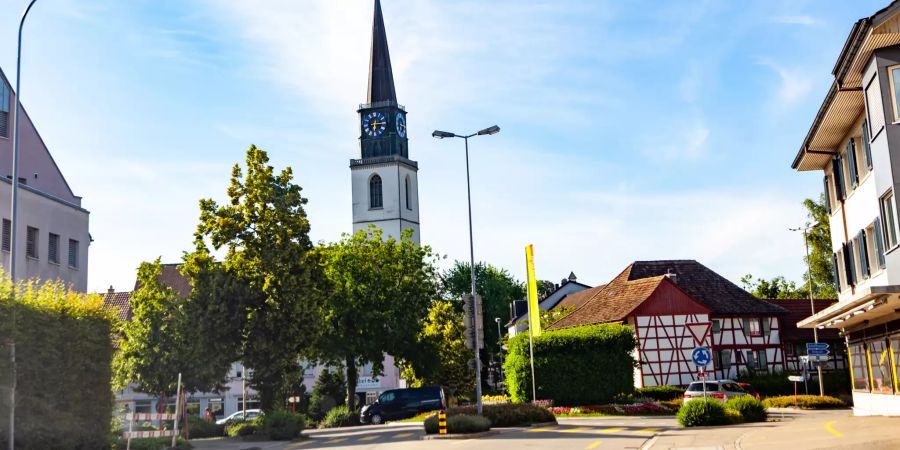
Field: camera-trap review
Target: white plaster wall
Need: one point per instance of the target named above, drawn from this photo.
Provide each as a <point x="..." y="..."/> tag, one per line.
<point x="867" y="404"/>
<point x="394" y="215"/>
<point x="48" y="216"/>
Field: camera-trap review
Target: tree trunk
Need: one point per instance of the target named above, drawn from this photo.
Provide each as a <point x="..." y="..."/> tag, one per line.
<point x="351" y="384"/>
<point x="266" y="395"/>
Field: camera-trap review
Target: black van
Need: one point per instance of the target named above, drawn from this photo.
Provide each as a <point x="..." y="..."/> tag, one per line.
<point x="403" y="403"/>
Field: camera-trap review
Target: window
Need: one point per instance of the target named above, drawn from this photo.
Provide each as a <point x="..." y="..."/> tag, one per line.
<point x="880" y="362"/>
<point x="878" y="240"/>
<point x="4" y="110"/>
<point x="142" y="406"/>
<point x="6" y="234"/>
<point x="894" y="76"/>
<point x="192" y="406"/>
<point x="31" y="243"/>
<point x="716" y="326"/>
<point x="838" y="173"/>
<point x="73" y="253"/>
<point x="53" y="248"/>
<point x="867" y="147"/>
<point x="753" y="327"/>
<point x="890" y="220"/>
<point x="756" y="360"/>
<point x="375" y="199"/>
<point x="858" y="369"/>
<point x="862" y="255"/>
<point x="217" y="406"/>
<point x="868" y="235"/>
<point x="874" y="112"/>
<point x="408" y="201"/>
<point x="852" y="167"/>
<point x="722" y="360"/>
<point x="252" y="403"/>
<point x="895" y="354"/>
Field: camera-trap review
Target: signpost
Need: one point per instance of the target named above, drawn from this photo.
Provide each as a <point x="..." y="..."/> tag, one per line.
<point x="817" y="351"/>
<point x="701" y="357"/>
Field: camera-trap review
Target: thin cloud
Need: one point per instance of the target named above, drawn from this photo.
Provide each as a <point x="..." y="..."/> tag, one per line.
<point x="795" y="83"/>
<point x="796" y="20"/>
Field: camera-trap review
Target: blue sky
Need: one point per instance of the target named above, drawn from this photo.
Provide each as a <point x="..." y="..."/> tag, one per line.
<point x="630" y="130"/>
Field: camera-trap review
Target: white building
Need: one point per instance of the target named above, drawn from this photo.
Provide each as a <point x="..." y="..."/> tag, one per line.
<point x="855" y="141"/>
<point x="52" y="235"/>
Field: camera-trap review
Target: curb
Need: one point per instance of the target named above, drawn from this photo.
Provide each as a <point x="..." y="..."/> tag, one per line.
<point x="437" y="437"/>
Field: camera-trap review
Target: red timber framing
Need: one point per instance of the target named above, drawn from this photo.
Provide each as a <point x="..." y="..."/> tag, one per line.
<point x="736" y="337"/>
<point x="664" y="342"/>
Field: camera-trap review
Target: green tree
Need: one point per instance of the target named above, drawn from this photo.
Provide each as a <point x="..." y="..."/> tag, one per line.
<point x="265" y="230"/>
<point x="548" y="317"/>
<point x="545" y="288"/>
<point x="497" y="289"/>
<point x="377" y="295"/>
<point x="442" y="333"/>
<point x="776" y="288"/>
<point x="819" y="262"/>
<point x="328" y="392"/>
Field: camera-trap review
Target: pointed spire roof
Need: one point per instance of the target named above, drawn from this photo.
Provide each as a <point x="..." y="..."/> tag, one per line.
<point x="381" y="77"/>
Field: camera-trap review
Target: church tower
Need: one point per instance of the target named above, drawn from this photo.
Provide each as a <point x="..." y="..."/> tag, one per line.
<point x="385" y="180"/>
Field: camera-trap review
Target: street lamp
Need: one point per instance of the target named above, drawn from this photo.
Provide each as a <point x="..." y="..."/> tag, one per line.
<point x="441" y="135"/>
<point x="812" y="306"/>
<point x="12" y="240"/>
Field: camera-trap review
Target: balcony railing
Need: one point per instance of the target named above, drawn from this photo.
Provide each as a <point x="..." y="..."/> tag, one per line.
<point x="381" y="104"/>
<point x="383" y="159"/>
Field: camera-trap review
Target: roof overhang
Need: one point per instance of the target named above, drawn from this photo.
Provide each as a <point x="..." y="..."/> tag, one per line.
<point x="872" y="306"/>
<point x="844" y="101"/>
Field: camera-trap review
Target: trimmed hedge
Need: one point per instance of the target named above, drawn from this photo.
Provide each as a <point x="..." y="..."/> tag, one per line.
<point x="660" y="393"/>
<point x="64" y="396"/>
<point x="749" y="407"/>
<point x="242" y="428"/>
<point x="703" y="412"/>
<point x="199" y="428"/>
<point x="282" y="425"/>
<point x="160" y="443"/>
<point x="460" y="424"/>
<point x="775" y="384"/>
<point x="804" y="402"/>
<point x="573" y="366"/>
<point x="507" y="415"/>
<point x="340" y="416"/>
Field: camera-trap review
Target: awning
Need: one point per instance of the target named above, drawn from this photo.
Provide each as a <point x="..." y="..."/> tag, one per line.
<point x="872" y="305"/>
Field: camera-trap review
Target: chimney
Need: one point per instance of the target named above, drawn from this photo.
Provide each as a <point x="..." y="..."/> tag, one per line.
<point x="111" y="291"/>
<point x="572" y="276"/>
<point x="672" y="275"/>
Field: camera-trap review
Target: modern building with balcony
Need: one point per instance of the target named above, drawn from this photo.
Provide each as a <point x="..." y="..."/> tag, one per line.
<point x="855" y="141"/>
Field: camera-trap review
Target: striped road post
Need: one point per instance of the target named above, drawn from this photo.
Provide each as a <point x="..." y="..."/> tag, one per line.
<point x="442" y="422"/>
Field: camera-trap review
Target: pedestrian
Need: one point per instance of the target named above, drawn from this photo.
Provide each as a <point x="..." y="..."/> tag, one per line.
<point x="209" y="415"/>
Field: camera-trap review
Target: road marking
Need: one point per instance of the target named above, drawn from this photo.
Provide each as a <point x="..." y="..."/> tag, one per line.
<point x="611" y="430"/>
<point x="540" y="430"/>
<point x="370" y="438"/>
<point x="340" y="439"/>
<point x="647" y="430"/>
<point x="831" y="430"/>
<point x="595" y="444"/>
<point x="574" y="430"/>
<point x="403" y="435"/>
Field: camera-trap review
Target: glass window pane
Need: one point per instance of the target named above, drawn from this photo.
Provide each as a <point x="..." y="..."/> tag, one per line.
<point x="895" y="76"/>
<point x="881" y="367"/>
<point x="860" y="370"/>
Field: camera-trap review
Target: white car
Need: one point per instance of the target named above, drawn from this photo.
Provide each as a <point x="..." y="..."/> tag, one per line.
<point x="239" y="416"/>
<point x="721" y="390"/>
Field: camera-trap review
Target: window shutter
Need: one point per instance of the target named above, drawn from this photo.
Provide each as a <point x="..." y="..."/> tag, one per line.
<point x="879" y="243"/>
<point x="849" y="268"/>
<point x="835" y="272"/>
<point x="851" y="164"/>
<point x="767" y="326"/>
<point x="863" y="255"/>
<point x="6" y="233"/>
<point x="763" y="363"/>
<point x="726" y="359"/>
<point x="746" y="327"/>
<point x="837" y="169"/>
<point x="866" y="146"/>
<point x="827" y="196"/>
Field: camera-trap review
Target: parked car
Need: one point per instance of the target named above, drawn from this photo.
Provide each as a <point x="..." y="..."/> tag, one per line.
<point x="402" y="404"/>
<point x="749" y="388"/>
<point x="718" y="389"/>
<point x="239" y="416"/>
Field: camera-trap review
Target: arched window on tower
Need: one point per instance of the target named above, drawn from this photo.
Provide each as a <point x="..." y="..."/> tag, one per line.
<point x="408" y="195"/>
<point x="375" y="198"/>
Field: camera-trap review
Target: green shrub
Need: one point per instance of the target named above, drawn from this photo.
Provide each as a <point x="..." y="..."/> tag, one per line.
<point x="340" y="416"/>
<point x="459" y="424"/>
<point x="160" y="443"/>
<point x="702" y="412"/>
<point x="507" y="415"/>
<point x="733" y="417"/>
<point x="199" y="428"/>
<point x="242" y="428"/>
<point x="774" y="384"/>
<point x="282" y="425"/>
<point x="64" y="396"/>
<point x="660" y="393"/>
<point x="804" y="402"/>
<point x="597" y="359"/>
<point x="750" y="409"/>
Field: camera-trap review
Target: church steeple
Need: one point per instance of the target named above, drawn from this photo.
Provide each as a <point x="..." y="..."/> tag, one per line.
<point x="381" y="77"/>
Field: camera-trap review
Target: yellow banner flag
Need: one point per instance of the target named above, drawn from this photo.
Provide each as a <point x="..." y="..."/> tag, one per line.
<point x="534" y="312"/>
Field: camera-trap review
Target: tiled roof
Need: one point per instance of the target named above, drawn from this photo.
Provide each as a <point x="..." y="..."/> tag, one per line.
<point x="705" y="286"/>
<point x="120" y="302"/>
<point x="612" y="302"/>
<point x="577" y="299"/>
<point x="798" y="309"/>
<point x="171" y="277"/>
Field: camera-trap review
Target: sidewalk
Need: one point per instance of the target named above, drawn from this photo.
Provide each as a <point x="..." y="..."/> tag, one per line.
<point x="791" y="429"/>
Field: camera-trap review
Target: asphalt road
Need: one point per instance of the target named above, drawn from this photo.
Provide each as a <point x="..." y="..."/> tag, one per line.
<point x="576" y="434"/>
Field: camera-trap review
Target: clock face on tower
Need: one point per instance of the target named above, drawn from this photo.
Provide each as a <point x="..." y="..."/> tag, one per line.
<point x="374" y="124"/>
<point x="401" y="125"/>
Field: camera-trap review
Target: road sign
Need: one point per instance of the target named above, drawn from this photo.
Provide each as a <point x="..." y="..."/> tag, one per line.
<point x="795" y="378"/>
<point x="701" y="356"/>
<point x="699" y="331"/>
<point x="814" y="349"/>
<point x="822" y="345"/>
<point x="470" y="316"/>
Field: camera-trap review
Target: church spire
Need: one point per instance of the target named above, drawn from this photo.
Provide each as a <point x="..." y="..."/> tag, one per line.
<point x="381" y="77"/>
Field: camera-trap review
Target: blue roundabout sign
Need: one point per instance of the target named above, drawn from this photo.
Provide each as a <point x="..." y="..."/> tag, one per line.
<point x="701" y="356"/>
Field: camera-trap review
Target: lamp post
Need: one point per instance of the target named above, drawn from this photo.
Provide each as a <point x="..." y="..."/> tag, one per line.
<point x="13" y="216"/>
<point x="441" y="135"/>
<point x="812" y="306"/>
